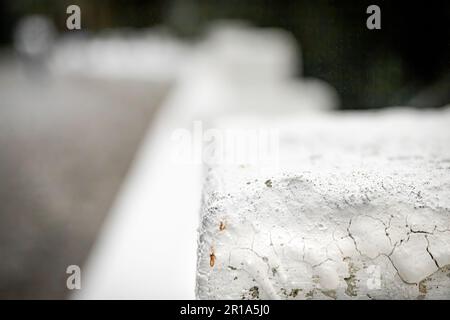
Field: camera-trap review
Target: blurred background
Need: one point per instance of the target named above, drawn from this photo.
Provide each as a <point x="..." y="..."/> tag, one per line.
<point x="75" y="105"/>
<point x="398" y="64"/>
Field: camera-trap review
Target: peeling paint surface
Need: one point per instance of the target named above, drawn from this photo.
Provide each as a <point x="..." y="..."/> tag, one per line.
<point x="358" y="208"/>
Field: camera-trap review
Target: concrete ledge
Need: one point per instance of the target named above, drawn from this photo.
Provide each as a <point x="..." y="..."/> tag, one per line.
<point x="357" y="208"/>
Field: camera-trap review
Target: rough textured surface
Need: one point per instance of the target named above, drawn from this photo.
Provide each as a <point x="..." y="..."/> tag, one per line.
<point x="358" y="208"/>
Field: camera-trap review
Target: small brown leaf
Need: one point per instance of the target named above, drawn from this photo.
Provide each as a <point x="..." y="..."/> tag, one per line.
<point x="212" y="259"/>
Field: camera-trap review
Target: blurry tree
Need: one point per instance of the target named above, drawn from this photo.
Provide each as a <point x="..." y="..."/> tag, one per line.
<point x="406" y="62"/>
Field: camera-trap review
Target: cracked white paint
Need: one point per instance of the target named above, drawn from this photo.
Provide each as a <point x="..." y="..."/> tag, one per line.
<point x="412" y="259"/>
<point x="439" y="244"/>
<point x="370" y="236"/>
<point x="359" y="207"/>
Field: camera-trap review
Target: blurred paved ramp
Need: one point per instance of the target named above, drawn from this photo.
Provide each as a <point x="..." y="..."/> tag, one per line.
<point x="65" y="146"/>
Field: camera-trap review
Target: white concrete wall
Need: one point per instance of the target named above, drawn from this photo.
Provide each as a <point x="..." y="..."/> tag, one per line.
<point x="357" y="207"/>
<point x="148" y="245"/>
